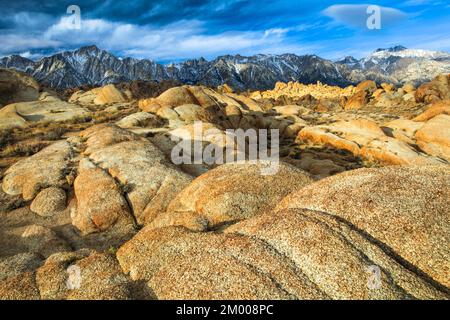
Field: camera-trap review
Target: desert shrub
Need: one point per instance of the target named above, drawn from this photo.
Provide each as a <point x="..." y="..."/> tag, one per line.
<point x="22" y="149"/>
<point x="54" y="134"/>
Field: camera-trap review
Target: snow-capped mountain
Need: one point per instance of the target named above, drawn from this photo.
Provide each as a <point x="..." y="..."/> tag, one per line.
<point x="93" y="66"/>
<point x="402" y="65"/>
<point x="17" y="62"/>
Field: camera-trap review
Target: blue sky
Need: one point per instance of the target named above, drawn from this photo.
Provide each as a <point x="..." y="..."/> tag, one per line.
<point x="173" y="30"/>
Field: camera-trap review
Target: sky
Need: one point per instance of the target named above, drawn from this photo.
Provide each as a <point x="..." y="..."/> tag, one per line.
<point x="176" y="30"/>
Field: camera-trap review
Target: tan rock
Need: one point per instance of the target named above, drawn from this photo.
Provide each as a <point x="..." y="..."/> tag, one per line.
<point x="12" y="266"/>
<point x="388" y="87"/>
<point x="437" y="108"/>
<point x="292" y="110"/>
<point x="141" y="168"/>
<point x="49" y="202"/>
<point x="101" y="279"/>
<point x="368" y="86"/>
<point x="188" y="112"/>
<point x="139" y="119"/>
<point x="409" y="88"/>
<point x="44" y="169"/>
<point x="149" y="105"/>
<point x="409" y="97"/>
<point x="43" y="240"/>
<point x="52" y="278"/>
<point x="20" y="287"/>
<point x="357" y="101"/>
<point x="402" y="129"/>
<point x="378" y="93"/>
<point x="228" y="193"/>
<point x="438" y="89"/>
<point x="109" y="94"/>
<point x="434" y="137"/>
<point x="182" y="265"/>
<point x="401" y="208"/>
<point x="83" y="276"/>
<point x="177" y="96"/>
<point x="100" y="203"/>
<point x="104" y="135"/>
<point x="364" y="138"/>
<point x="20" y="114"/>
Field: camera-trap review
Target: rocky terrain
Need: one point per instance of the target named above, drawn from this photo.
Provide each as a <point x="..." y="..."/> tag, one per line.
<point x="88" y="184"/>
<point x="95" y="67"/>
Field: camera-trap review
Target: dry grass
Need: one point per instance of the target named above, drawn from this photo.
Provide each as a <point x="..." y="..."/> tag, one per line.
<point x="21" y="142"/>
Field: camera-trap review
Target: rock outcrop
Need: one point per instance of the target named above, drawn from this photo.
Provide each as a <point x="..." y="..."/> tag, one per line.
<point x="49" y="202"/>
<point x="364" y="138"/>
<point x="47" y="109"/>
<point x="389" y="208"/>
<point x="147" y="181"/>
<point x="230" y="193"/>
<point x="42" y="170"/>
<point x="108" y="94"/>
<point x="113" y="210"/>
<point x="438" y="89"/>
<point x="346" y="228"/>
<point x="433" y="138"/>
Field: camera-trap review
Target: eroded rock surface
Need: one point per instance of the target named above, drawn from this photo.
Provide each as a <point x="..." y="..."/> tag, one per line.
<point x="107" y="213"/>
<point x="230" y="193"/>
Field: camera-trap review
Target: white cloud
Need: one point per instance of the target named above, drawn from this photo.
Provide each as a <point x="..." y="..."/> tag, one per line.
<point x="18" y="43"/>
<point x="355" y="15"/>
<point x="183" y="39"/>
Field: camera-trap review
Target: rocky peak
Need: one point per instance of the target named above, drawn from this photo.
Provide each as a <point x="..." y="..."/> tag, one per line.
<point x="392" y="49"/>
<point x="92" y="66"/>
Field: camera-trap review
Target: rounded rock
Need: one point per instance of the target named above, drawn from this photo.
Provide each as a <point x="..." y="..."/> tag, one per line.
<point x="49" y="202"/>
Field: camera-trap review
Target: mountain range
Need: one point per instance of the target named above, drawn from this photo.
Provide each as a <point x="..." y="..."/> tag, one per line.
<point x="93" y="66"/>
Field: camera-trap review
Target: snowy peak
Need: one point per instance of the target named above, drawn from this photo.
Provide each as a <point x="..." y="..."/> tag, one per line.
<point x="402" y="52"/>
<point x="17" y="62"/>
<point x="91" y="65"/>
<point x="393" y="49"/>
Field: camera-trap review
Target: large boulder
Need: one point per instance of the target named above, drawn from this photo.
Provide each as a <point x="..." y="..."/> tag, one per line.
<point x="149" y="181"/>
<point x="340" y="238"/>
<point x="357" y="101"/>
<point x="108" y="94"/>
<point x="435" y="109"/>
<point x="230" y="193"/>
<point x="139" y="119"/>
<point x="80" y="275"/>
<point x="404" y="211"/>
<point x="434" y="136"/>
<point x="402" y="129"/>
<point x="100" y="203"/>
<point x="196" y="140"/>
<point x="173" y="97"/>
<point x="178" y="264"/>
<point x="45" y="110"/>
<point x="45" y="169"/>
<point x="438" y="89"/>
<point x="101" y="279"/>
<point x="365" y="139"/>
<point x="49" y="202"/>
<point x="362" y="95"/>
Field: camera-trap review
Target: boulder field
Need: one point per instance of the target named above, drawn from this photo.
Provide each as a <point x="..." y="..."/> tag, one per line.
<point x="358" y="207"/>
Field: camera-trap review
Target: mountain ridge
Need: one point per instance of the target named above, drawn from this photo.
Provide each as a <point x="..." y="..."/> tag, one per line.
<point x="90" y="65"/>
